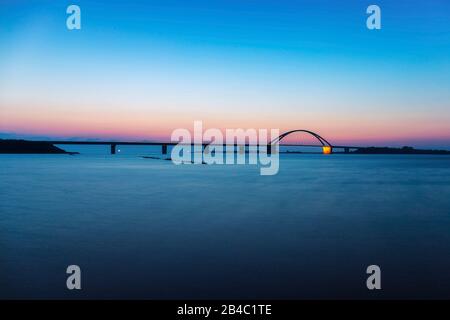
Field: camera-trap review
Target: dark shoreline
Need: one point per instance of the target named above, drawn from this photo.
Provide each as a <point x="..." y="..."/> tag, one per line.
<point x="12" y="146"/>
<point x="403" y="150"/>
<point x="29" y="147"/>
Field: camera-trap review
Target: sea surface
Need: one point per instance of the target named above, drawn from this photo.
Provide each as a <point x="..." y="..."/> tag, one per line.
<point x="146" y="228"/>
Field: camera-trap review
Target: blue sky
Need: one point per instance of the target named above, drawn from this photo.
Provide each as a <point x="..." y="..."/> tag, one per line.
<point x="139" y="69"/>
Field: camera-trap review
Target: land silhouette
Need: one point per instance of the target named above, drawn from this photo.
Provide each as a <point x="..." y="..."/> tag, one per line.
<point x="403" y="150"/>
<point x="30" y="147"/>
<point x="12" y="146"/>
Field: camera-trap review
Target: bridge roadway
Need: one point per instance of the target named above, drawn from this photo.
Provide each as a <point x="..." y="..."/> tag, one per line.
<point x="164" y="145"/>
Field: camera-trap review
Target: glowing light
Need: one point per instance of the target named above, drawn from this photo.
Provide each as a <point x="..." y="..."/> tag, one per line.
<point x="327" y="150"/>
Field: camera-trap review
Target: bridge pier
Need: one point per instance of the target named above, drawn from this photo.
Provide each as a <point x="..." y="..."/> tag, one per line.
<point x="346" y="150"/>
<point x="164" y="148"/>
<point x="113" y="149"/>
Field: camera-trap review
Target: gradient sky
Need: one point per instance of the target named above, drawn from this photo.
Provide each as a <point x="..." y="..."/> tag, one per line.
<point x="139" y="69"/>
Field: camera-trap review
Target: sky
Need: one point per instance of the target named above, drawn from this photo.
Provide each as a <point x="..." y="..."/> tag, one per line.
<point x="137" y="70"/>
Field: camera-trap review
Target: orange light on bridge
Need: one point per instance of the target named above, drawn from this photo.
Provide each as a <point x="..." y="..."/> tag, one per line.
<point x="327" y="150"/>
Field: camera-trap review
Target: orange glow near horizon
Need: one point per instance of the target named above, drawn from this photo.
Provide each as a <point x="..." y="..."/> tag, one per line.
<point x="138" y="129"/>
<point x="158" y="126"/>
<point x="327" y="150"/>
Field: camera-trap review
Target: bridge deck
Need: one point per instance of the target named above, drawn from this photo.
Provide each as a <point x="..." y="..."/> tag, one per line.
<point x="145" y="143"/>
<point x="164" y="145"/>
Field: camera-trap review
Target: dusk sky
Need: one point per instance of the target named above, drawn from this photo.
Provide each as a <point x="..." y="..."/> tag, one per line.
<point x="140" y="69"/>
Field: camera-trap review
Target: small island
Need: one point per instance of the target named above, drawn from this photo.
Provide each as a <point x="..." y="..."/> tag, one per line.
<point x="30" y="147"/>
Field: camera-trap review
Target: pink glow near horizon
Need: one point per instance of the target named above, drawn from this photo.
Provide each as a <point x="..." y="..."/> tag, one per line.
<point x="160" y="129"/>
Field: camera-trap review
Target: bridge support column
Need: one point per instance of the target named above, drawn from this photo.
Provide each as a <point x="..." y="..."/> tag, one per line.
<point x="164" y="149"/>
<point x="113" y="149"/>
<point x="346" y="150"/>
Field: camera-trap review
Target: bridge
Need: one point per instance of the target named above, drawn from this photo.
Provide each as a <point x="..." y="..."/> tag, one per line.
<point x="327" y="148"/>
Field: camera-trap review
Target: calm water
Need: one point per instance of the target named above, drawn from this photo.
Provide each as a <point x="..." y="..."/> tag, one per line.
<point x="143" y="228"/>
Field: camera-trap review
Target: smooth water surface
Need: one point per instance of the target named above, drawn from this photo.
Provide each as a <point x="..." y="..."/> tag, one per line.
<point x="145" y="228"/>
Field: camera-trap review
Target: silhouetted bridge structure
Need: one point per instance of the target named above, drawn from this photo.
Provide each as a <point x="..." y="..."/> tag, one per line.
<point x="327" y="148"/>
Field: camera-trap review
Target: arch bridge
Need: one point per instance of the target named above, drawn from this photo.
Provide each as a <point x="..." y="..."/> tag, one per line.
<point x="327" y="148"/>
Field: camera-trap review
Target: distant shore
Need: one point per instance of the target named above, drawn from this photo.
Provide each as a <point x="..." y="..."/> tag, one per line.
<point x="11" y="146"/>
<point x="403" y="150"/>
<point x="30" y="147"/>
<point x="383" y="150"/>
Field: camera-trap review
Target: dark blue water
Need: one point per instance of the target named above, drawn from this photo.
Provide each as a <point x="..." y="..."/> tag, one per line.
<point x="143" y="228"/>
